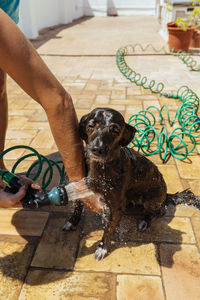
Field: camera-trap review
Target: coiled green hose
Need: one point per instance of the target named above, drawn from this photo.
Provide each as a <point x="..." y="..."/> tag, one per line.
<point x="148" y="139"/>
<point x="42" y="165"/>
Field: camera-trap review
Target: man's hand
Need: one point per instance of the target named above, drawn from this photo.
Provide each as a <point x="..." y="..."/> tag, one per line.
<point x="8" y="200"/>
<point x="23" y="180"/>
<point x="80" y="191"/>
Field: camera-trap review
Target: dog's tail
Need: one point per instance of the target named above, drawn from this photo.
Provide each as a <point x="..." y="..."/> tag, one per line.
<point x="185" y="197"/>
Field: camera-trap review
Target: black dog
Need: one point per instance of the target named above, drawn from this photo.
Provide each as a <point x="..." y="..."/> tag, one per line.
<point x="117" y="173"/>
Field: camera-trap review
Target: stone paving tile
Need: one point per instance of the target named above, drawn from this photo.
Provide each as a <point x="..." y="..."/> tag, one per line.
<point x="120" y="108"/>
<point x="195" y="186"/>
<point x="99" y="35"/>
<point x="166" y="229"/>
<point x="22" y="112"/>
<point x="128" y="102"/>
<point x="118" y="94"/>
<point x="43" y="139"/>
<point x="43" y="151"/>
<point x="81" y="112"/>
<point x="129" y="113"/>
<point x="132" y="287"/>
<point x="196" y="226"/>
<point x="182" y="211"/>
<point x="21" y="168"/>
<point x="16" y="122"/>
<point x="22" y="222"/>
<point x="17" y="153"/>
<point x="56" y="285"/>
<point x="14" y="261"/>
<point x="36" y="125"/>
<point x="157" y="160"/>
<point x="20" y="134"/>
<point x="182" y="278"/>
<point x="38" y="116"/>
<point x="172" y="178"/>
<point x="32" y="104"/>
<point x="104" y="92"/>
<point x="102" y="99"/>
<point x="123" y="258"/>
<point x="57" y="248"/>
<point x="92" y="86"/>
<point x="148" y="103"/>
<point x="133" y="90"/>
<point x="84" y="103"/>
<point x="188" y="169"/>
<point x="19" y="103"/>
<point x="77" y="90"/>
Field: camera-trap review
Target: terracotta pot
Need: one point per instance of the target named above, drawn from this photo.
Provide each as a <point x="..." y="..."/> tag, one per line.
<point x="178" y="38"/>
<point x="195" y="42"/>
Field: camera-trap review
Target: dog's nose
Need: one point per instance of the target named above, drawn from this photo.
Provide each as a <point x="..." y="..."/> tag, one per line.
<point x="100" y="150"/>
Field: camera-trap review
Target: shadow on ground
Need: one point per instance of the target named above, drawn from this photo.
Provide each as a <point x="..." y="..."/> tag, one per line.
<point x="52" y="32"/>
<point x="58" y="250"/>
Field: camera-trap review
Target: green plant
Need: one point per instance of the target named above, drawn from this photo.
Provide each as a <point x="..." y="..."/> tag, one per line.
<point x="193" y="19"/>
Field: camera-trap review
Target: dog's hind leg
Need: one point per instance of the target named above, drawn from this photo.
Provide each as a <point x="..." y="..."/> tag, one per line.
<point x="72" y="223"/>
<point x="153" y="203"/>
<point x="149" y="216"/>
<point x="105" y="243"/>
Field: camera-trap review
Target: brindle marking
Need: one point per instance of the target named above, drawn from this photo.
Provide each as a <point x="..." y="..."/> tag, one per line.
<point x="119" y="174"/>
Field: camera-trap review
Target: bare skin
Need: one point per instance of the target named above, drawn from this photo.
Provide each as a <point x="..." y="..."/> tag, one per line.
<point x="3" y="113"/>
<point x="20" y="60"/>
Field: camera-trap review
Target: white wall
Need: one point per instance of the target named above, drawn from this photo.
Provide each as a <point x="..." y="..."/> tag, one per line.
<point x="95" y="7"/>
<point x="131" y="7"/>
<point x="38" y="14"/>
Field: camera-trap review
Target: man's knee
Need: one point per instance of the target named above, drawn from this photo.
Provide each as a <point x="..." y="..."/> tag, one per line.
<point x="2" y="83"/>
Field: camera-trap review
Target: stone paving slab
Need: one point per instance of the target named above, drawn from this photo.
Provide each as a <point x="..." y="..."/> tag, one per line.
<point x="55" y="285"/>
<point x="21" y="222"/>
<point x="14" y="261"/>
<point x="57" y="249"/>
<point x="137" y="287"/>
<point x="181" y="279"/>
<point x="91" y="35"/>
<point x="124" y="258"/>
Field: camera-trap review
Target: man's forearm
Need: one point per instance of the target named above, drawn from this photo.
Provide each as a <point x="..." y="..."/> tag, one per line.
<point x="64" y="126"/>
<point x="21" y="61"/>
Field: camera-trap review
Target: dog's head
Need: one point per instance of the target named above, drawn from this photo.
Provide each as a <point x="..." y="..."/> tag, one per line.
<point x="105" y="132"/>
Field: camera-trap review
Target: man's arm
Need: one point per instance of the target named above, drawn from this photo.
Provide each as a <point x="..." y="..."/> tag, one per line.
<point x="20" y="60"/>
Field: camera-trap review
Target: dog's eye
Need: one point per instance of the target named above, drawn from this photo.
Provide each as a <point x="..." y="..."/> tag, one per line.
<point x="114" y="129"/>
<point x="90" y="126"/>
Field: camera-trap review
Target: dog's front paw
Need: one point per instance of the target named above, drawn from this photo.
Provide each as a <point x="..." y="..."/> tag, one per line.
<point x="101" y="252"/>
<point x="144" y="226"/>
<point x="69" y="226"/>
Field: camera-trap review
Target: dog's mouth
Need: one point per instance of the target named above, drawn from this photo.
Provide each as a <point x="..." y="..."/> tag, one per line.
<point x="105" y="156"/>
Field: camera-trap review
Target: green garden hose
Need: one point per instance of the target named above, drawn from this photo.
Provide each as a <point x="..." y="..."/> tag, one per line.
<point x="148" y="139"/>
<point x="179" y="143"/>
<point x="42" y="165"/>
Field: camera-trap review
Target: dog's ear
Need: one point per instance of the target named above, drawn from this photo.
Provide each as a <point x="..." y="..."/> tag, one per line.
<point x="82" y="128"/>
<point x="128" y="135"/>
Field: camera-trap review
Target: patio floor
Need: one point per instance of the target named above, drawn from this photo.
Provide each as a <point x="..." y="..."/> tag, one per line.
<point x="40" y="261"/>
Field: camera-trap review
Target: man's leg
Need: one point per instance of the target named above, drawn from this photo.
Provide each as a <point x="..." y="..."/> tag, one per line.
<point x="3" y="113"/>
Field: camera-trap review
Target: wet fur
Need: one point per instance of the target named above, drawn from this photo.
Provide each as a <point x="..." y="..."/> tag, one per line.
<point x="120" y="175"/>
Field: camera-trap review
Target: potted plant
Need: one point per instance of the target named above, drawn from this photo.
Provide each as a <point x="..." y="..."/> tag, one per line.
<point x="181" y="31"/>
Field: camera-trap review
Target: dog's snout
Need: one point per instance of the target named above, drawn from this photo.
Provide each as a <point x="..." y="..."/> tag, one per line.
<point x="100" y="149"/>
